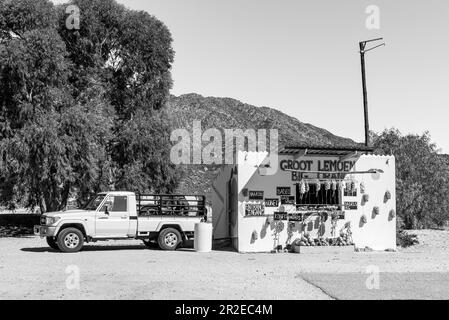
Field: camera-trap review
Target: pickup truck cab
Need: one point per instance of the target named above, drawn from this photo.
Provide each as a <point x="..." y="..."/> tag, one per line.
<point x="167" y="220"/>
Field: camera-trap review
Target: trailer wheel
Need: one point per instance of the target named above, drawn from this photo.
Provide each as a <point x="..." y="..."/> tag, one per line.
<point x="169" y="239"/>
<point x="51" y="241"/>
<point x="70" y="240"/>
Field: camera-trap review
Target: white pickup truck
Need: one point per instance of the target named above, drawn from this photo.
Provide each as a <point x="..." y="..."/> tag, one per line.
<point x="166" y="219"/>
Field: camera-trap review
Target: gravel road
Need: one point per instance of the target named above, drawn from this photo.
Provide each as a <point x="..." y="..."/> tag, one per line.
<point x="128" y="270"/>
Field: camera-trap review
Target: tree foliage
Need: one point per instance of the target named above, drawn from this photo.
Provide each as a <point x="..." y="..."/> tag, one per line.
<point x="422" y="178"/>
<point x="82" y="110"/>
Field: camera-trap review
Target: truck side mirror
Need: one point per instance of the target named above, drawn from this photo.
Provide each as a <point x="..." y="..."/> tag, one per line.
<point x="106" y="208"/>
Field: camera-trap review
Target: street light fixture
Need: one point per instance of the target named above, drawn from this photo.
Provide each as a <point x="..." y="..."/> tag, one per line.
<point x="363" y="50"/>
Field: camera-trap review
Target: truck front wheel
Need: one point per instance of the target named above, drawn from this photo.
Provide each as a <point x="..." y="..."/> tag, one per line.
<point x="169" y="239"/>
<point x="51" y="241"/>
<point x="70" y="240"/>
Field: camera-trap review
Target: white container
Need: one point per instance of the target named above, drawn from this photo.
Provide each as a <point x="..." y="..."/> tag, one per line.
<point x="203" y="237"/>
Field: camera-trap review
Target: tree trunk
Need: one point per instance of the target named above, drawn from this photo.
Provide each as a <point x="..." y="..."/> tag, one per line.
<point x="65" y="196"/>
<point x="42" y="204"/>
<point x="409" y="222"/>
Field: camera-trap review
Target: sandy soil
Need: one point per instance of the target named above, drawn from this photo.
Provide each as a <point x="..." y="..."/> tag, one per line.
<point x="128" y="270"/>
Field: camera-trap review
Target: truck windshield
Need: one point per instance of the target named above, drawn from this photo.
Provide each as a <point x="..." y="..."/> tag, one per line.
<point x="94" y="202"/>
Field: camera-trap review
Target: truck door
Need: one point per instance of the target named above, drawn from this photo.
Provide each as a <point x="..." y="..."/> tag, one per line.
<point x="113" y="222"/>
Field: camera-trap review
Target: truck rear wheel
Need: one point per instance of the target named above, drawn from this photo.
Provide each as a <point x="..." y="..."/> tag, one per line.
<point x="51" y="241"/>
<point x="169" y="239"/>
<point x="70" y="240"/>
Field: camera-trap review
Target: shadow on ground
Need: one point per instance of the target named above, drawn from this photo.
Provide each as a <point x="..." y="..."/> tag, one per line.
<point x="188" y="246"/>
<point x="116" y="248"/>
<point x="91" y="248"/>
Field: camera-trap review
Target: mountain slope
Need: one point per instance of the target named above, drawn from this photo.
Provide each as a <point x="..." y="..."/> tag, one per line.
<point x="233" y="114"/>
<point x="227" y="113"/>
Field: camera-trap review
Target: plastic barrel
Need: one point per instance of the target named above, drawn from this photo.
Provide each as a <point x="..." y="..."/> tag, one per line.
<point x="203" y="237"/>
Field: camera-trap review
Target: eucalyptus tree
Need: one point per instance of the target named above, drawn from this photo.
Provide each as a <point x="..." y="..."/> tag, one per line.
<point x="81" y="110"/>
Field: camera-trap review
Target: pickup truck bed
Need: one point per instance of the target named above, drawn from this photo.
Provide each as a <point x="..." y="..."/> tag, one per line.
<point x="182" y="212"/>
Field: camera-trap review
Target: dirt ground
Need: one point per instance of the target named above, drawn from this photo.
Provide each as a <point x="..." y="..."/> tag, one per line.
<point x="128" y="270"/>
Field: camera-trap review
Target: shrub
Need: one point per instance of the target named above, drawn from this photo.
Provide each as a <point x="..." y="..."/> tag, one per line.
<point x="404" y="239"/>
<point x="422" y="178"/>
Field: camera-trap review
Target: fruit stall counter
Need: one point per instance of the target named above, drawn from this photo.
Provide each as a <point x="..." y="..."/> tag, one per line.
<point x="310" y="196"/>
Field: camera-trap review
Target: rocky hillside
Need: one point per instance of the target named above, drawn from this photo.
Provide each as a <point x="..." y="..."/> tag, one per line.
<point x="232" y="114"/>
<point x="227" y="113"/>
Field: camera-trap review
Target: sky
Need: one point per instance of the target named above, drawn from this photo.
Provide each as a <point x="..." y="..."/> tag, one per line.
<point x="302" y="58"/>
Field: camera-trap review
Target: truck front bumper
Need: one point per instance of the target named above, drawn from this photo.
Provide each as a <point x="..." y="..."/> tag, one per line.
<point x="44" y="231"/>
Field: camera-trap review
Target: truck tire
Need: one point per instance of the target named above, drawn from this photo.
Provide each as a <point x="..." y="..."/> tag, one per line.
<point x="70" y="240"/>
<point x="169" y="239"/>
<point x="51" y="241"/>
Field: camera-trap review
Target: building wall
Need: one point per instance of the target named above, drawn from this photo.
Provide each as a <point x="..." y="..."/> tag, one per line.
<point x="233" y="212"/>
<point x="224" y="196"/>
<point x="219" y="197"/>
<point x="379" y="233"/>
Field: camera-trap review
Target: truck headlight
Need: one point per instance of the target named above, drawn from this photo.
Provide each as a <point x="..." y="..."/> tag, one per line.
<point x="51" y="220"/>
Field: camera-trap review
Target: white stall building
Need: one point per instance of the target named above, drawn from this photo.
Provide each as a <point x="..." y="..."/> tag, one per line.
<point x="323" y="194"/>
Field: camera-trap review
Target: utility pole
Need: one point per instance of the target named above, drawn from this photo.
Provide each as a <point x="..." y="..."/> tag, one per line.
<point x="362" y="46"/>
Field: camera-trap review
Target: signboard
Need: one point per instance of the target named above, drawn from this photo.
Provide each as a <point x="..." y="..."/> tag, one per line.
<point x="350" y="193"/>
<point x="271" y="202"/>
<point x="280" y="216"/>
<point x="337" y="169"/>
<point x="283" y="191"/>
<point x="255" y="195"/>
<point x="350" y="205"/>
<point x="287" y="216"/>
<point x="287" y="200"/>
<point x="254" y="209"/>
